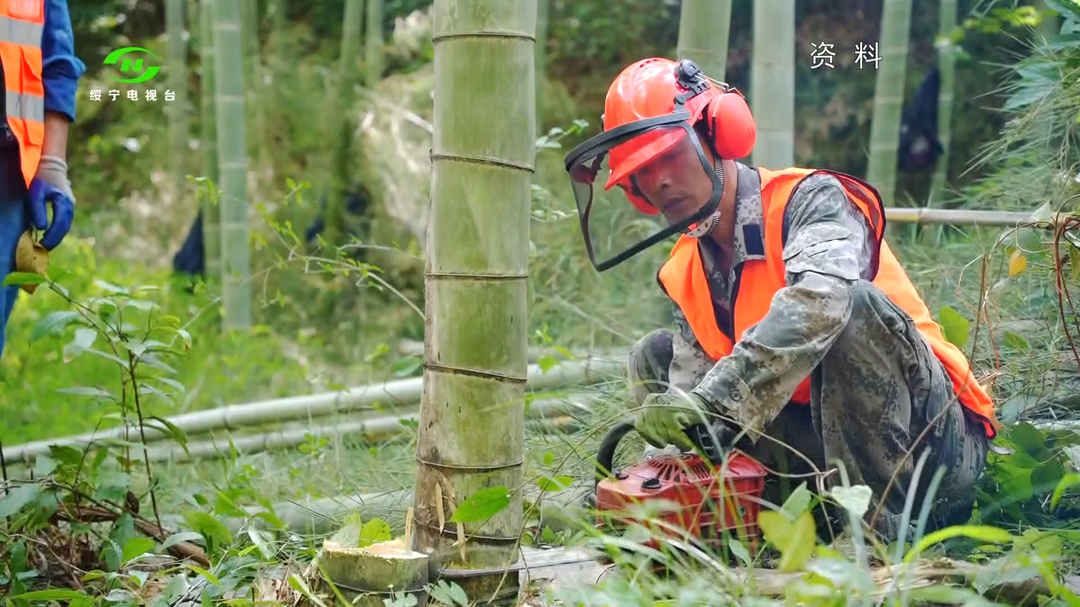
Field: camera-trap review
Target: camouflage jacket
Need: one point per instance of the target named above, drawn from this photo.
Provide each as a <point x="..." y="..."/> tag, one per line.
<point x="827" y="248"/>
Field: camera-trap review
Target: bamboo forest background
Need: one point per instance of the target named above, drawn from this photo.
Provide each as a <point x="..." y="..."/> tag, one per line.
<point x="299" y="142"/>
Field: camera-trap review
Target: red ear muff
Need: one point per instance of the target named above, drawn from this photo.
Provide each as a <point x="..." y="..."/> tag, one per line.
<point x="634" y="196"/>
<point x="732" y="125"/>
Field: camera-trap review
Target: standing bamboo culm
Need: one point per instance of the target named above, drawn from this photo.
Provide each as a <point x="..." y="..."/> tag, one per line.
<point x="178" y="119"/>
<point x="471" y="435"/>
<point x="888" y="97"/>
<point x="208" y="143"/>
<point x="340" y="124"/>
<point x="947" y="69"/>
<point x="373" y="41"/>
<point x="703" y="35"/>
<point x="543" y="16"/>
<point x="772" y="83"/>
<point x="232" y="165"/>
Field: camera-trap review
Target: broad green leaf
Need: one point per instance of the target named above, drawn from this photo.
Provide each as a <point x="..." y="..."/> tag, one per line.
<point x="450" y="594"/>
<point x="17" y="498"/>
<point x="482" y="505"/>
<point x="795" y="540"/>
<point x="955" y="327"/>
<point x="554" y="484"/>
<point x="546" y="362"/>
<point x="24" y="278"/>
<point x="137" y="546"/>
<point x="54" y="324"/>
<point x="216" y="533"/>
<point x="855" y="499"/>
<point x="375" y="531"/>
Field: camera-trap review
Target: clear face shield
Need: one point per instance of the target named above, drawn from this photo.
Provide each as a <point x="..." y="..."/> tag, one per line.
<point x="641" y="183"/>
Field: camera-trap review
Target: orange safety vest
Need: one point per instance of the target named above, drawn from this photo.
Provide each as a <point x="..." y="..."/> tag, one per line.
<point x="683" y="278"/>
<point x="21" y="26"/>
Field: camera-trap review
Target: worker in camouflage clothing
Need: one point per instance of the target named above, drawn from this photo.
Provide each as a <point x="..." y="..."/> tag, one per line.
<point x="797" y="328"/>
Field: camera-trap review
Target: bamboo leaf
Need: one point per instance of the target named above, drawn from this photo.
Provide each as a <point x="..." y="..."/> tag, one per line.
<point x="183" y="536"/>
<point x="983" y="533"/>
<point x="1016" y="342"/>
<point x="1017" y="264"/>
<point x="24" y="278"/>
<point x="482" y="505"/>
<point x="53" y="324"/>
<point x="87" y="391"/>
<point x="83" y="340"/>
<point x="955" y="327"/>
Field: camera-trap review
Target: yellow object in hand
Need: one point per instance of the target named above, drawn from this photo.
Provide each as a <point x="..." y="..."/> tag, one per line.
<point x="31" y="257"/>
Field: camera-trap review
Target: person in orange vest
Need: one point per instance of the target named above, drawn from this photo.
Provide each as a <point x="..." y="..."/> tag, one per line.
<point x="41" y="74"/>
<point x="797" y="328"/>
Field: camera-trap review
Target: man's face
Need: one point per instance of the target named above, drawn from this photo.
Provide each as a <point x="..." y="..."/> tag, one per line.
<point x="675" y="182"/>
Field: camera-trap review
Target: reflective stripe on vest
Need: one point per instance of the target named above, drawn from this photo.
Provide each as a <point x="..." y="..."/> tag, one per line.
<point x="683" y="278"/>
<point x="21" y="25"/>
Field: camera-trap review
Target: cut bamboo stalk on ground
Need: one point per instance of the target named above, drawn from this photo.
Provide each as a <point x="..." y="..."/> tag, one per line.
<point x="928" y="216"/>
<point x="371" y="429"/>
<point x="389" y="394"/>
<point x="365" y="576"/>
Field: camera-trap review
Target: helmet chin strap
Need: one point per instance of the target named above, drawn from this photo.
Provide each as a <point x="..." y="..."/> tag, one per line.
<point x="706" y="226"/>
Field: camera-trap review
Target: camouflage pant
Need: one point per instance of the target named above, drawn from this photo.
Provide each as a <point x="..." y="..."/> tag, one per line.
<point x="873" y="394"/>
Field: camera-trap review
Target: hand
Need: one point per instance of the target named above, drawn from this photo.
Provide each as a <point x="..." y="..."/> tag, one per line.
<point x="663" y="419"/>
<point x="51" y="186"/>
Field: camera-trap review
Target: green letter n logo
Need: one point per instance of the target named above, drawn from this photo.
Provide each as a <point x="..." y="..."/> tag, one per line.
<point x="132" y="65"/>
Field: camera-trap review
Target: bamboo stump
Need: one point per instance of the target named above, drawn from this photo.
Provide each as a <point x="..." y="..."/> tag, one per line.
<point x="366" y="576"/>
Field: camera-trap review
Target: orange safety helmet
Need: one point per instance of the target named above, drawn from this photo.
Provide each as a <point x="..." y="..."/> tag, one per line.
<point x="647" y="89"/>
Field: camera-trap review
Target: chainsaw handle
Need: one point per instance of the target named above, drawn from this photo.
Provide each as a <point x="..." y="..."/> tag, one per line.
<point x="605" y="455"/>
<point x="698" y="433"/>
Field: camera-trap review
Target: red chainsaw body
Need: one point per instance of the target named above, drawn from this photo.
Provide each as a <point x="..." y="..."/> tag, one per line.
<point x="693" y="488"/>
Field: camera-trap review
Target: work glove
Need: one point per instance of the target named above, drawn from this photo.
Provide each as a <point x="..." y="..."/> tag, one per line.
<point x="663" y="419"/>
<point x="51" y="186"/>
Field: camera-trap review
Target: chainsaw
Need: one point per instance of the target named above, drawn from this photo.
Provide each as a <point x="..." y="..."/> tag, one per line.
<point x="686" y="488"/>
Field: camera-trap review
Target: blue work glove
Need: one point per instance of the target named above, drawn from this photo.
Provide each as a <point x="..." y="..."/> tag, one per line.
<point x="663" y="419"/>
<point x="51" y="186"/>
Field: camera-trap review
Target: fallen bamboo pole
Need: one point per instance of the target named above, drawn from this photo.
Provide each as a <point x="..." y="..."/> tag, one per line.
<point x="389" y="394"/>
<point x="370" y="429"/>
<point x="928" y="216"/>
